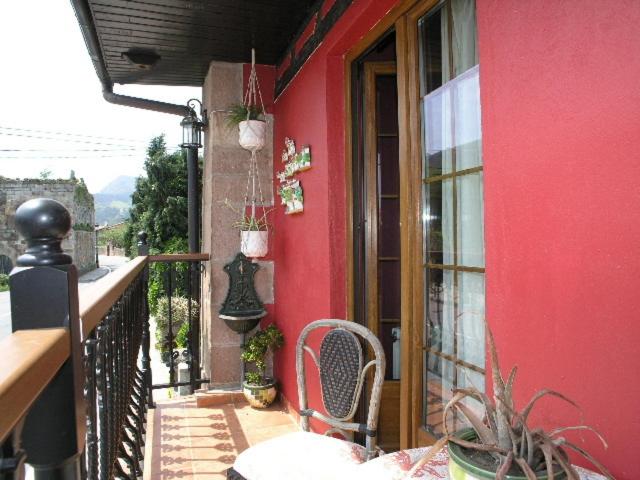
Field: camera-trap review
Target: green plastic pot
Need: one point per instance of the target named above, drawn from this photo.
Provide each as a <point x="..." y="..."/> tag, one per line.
<point x="461" y="467"/>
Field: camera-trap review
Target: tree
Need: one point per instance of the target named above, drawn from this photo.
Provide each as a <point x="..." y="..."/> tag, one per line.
<point x="45" y="174"/>
<point x="159" y="202"/>
<point x="159" y="207"/>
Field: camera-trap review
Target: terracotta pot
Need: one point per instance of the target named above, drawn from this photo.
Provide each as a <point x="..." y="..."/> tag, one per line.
<point x="260" y="396"/>
<point x="254" y="243"/>
<point x="253" y="134"/>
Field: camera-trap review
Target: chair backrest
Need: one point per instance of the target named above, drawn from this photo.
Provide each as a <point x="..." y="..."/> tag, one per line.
<point x="342" y="377"/>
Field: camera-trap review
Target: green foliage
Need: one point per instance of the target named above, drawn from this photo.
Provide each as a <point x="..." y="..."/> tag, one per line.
<point x="179" y="321"/>
<point x="83" y="227"/>
<point x="45" y="174"/>
<point x="158" y="275"/>
<point x="247" y="222"/>
<point x="115" y="236"/>
<point x="238" y="113"/>
<point x="159" y="203"/>
<point x="182" y="337"/>
<point x="503" y="434"/>
<point x="4" y="282"/>
<point x="256" y="349"/>
<point x="81" y="193"/>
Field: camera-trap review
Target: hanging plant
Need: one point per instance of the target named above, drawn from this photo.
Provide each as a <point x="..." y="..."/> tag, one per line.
<point x="254" y="231"/>
<point x="238" y="113"/>
<point x="249" y="116"/>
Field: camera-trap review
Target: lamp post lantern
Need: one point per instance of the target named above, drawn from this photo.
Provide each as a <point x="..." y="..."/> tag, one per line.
<point x="191" y="142"/>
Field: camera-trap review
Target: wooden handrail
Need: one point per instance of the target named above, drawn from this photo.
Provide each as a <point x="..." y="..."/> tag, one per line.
<point x="31" y="359"/>
<point x="179" y="257"/>
<point x="96" y="301"/>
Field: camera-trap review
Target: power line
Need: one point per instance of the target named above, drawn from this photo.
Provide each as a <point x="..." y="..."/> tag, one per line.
<point x="71" y="140"/>
<point x="78" y="157"/>
<point x="51" y="150"/>
<point x="51" y="132"/>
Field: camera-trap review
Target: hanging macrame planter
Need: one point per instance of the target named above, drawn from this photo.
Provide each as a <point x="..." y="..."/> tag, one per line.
<point x="253" y="131"/>
<point x="254" y="229"/>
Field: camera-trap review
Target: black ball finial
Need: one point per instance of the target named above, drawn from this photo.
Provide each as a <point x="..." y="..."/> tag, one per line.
<point x="43" y="223"/>
<point x="142" y="238"/>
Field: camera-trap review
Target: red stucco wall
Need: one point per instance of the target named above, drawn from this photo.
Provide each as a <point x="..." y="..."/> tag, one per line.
<point x="561" y="126"/>
<point x="561" y="123"/>
<point x="310" y="249"/>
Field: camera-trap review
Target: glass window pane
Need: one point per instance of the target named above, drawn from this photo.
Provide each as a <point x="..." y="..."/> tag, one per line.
<point x="437" y="391"/>
<point x="390" y="339"/>
<point x="470" y="318"/>
<point x="438" y="130"/>
<point x="439" y="331"/>
<point x="389" y="227"/>
<point x="470" y="231"/>
<point x="467" y="131"/>
<point x="438" y="220"/>
<point x="389" y="288"/>
<point x="468" y="378"/>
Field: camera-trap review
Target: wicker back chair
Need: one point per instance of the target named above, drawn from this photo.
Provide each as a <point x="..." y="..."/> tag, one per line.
<point x="342" y="377"/>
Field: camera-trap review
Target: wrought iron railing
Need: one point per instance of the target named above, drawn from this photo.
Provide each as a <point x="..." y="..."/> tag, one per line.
<point x="77" y="381"/>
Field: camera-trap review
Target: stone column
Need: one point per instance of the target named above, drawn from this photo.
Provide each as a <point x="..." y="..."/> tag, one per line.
<point x="226" y="166"/>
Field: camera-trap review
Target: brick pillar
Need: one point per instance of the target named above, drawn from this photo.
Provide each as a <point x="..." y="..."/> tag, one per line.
<point x="226" y="166"/>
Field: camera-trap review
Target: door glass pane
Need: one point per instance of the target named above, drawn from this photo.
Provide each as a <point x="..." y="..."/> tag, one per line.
<point x="439" y="329"/>
<point x="438" y="221"/>
<point x="453" y="208"/>
<point x="470" y="228"/>
<point x="470" y="320"/>
<point x="466" y="128"/>
<point x="437" y="391"/>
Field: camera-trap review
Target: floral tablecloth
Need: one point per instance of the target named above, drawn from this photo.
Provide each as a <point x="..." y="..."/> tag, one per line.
<point x="395" y="466"/>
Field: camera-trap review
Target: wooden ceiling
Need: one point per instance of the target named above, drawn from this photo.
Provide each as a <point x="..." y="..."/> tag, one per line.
<point x="188" y="34"/>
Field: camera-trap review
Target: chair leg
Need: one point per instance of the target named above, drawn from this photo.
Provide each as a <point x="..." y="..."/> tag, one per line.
<point x="233" y="475"/>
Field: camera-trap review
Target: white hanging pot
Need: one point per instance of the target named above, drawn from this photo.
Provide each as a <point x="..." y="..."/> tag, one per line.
<point x="253" y="134"/>
<point x="254" y="243"/>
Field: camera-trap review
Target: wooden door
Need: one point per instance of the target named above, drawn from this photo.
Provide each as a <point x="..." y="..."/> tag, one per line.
<point x="382" y="235"/>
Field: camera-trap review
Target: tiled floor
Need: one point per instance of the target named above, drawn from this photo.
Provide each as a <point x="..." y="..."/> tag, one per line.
<point x="185" y="442"/>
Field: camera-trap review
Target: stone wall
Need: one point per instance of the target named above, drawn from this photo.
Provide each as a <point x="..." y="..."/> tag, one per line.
<point x="73" y="194"/>
<point x="225" y="176"/>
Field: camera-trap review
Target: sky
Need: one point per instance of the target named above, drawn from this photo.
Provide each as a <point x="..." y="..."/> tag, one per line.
<point x="52" y="114"/>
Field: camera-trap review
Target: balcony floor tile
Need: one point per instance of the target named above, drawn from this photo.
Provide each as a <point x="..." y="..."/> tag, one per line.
<point x="186" y="442"/>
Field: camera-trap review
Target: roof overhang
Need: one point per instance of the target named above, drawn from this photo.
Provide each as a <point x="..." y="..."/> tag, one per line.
<point x="172" y="42"/>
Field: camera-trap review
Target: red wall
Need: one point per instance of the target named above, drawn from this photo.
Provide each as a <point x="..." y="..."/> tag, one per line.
<point x="561" y="116"/>
<point x="561" y="125"/>
<point x="310" y="249"/>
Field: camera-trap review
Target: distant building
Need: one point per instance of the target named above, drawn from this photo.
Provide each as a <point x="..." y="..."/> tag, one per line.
<point x="72" y="193"/>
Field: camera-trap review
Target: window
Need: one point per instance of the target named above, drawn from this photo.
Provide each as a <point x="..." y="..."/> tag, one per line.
<point x="452" y="206"/>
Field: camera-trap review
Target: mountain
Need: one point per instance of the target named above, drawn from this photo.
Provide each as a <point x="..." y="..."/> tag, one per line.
<point x="113" y="201"/>
<point x="122" y="185"/>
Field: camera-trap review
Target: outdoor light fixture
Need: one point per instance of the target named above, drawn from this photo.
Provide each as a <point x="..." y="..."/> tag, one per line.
<point x="192" y="125"/>
<point x="141" y="58"/>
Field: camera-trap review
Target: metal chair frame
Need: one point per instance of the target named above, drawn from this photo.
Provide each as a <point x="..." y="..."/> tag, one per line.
<point x="343" y="424"/>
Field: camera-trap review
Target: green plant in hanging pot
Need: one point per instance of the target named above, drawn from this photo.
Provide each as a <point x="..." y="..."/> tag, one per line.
<point x="254" y="231"/>
<point x="249" y="116"/>
<point x="260" y="390"/>
<point x="500" y="444"/>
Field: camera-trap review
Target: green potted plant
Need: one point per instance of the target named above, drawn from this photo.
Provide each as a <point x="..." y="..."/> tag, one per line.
<point x="254" y="231"/>
<point x="260" y="390"/>
<point x="500" y="444"/>
<point x="252" y="127"/>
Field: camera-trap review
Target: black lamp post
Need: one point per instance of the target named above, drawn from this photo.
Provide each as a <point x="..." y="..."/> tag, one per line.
<point x="96" y="228"/>
<point x="192" y="141"/>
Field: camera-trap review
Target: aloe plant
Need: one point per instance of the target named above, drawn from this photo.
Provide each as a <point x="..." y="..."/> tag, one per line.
<point x="503" y="432"/>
